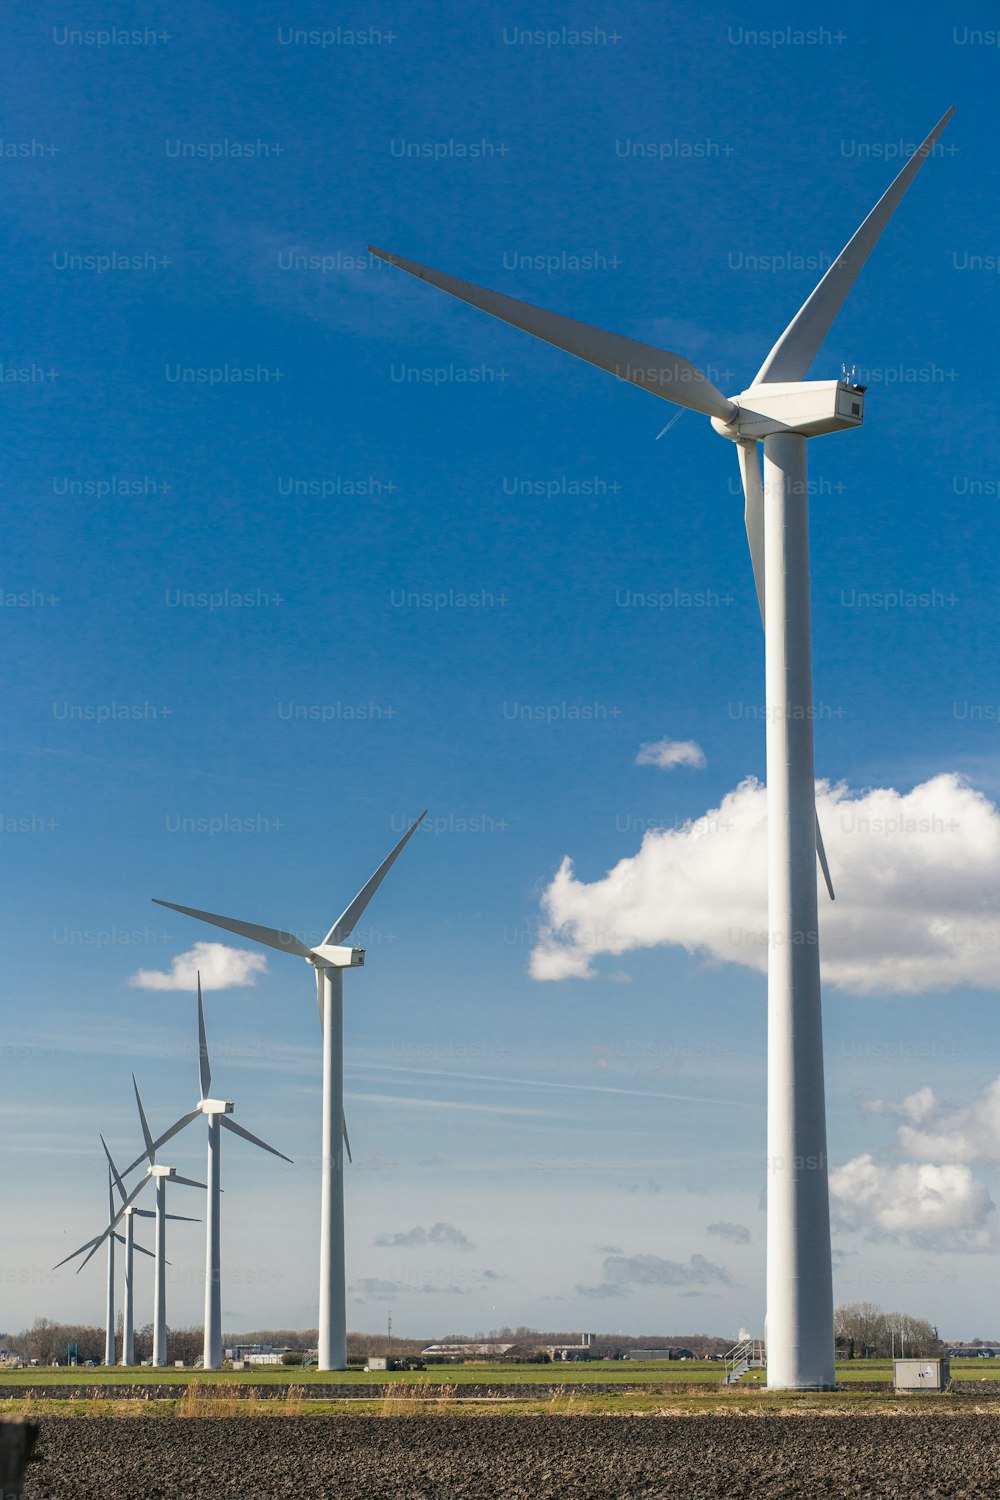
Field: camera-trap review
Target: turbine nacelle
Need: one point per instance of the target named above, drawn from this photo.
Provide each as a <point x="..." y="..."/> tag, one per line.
<point x="216" y="1106"/>
<point x="326" y="956"/>
<point x="155" y="1171"/>
<point x="807" y="407"/>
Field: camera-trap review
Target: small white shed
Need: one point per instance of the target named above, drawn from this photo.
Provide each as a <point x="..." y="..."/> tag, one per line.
<point x="920" y="1374"/>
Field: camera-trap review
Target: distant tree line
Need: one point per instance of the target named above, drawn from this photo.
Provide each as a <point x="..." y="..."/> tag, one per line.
<point x="46" y="1341"/>
<point x="864" y="1331"/>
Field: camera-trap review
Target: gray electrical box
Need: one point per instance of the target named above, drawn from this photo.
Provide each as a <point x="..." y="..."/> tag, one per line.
<point x="921" y="1374"/>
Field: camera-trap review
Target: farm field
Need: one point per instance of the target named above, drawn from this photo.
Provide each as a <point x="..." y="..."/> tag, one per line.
<point x="598" y="1372"/>
<point x="512" y="1458"/>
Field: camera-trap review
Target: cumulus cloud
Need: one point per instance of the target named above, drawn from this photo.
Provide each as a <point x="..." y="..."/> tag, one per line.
<point x="914" y="1108"/>
<point x="916" y="876"/>
<point x="933" y="1200"/>
<point x="932" y="1207"/>
<point x="733" y="1234"/>
<point x="929" y="1128"/>
<point x="375" y="1289"/>
<point x="624" y="1272"/>
<point x="437" y="1234"/>
<point x="221" y="968"/>
<point x="670" y="753"/>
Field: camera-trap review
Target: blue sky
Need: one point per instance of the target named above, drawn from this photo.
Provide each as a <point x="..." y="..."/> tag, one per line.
<point x="437" y="576"/>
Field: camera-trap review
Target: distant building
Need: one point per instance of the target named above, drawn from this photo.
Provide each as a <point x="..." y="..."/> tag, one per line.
<point x="255" y="1354"/>
<point x="582" y="1350"/>
<point x="654" y="1354"/>
<point x="488" y="1350"/>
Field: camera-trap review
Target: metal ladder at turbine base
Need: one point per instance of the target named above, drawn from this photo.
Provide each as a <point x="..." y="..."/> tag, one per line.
<point x="750" y="1354"/>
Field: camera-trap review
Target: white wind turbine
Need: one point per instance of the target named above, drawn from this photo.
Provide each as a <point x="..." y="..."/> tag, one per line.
<point x="128" y="1240"/>
<point x="114" y="1181"/>
<point x="329" y="959"/>
<point x="217" y="1112"/>
<point x="160" y="1175"/>
<point x="782" y="409"/>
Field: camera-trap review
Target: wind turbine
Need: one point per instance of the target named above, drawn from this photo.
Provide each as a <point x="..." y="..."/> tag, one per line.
<point x="128" y="1240"/>
<point x="161" y="1175"/>
<point x="114" y="1181"/>
<point x="127" y="1209"/>
<point x="217" y="1112"/>
<point x="782" y="409"/>
<point x="329" y="959"/>
<point x="109" y="1305"/>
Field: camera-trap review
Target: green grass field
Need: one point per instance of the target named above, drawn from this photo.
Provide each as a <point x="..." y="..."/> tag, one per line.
<point x="612" y="1372"/>
<point x="599" y="1372"/>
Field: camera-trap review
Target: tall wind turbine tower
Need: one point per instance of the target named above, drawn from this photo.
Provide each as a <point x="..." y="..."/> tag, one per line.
<point x="329" y="959"/>
<point x="109" y="1307"/>
<point x="783" y="410"/>
<point x="216" y="1112"/>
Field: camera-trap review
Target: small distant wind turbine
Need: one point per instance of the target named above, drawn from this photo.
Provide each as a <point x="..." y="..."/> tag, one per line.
<point x="217" y="1112"/>
<point x="130" y="1212"/>
<point x="329" y="959"/>
<point x="784" y="410"/>
<point x="110" y="1234"/>
<point x="161" y="1176"/>
<point x="109" y="1306"/>
<point x="128" y="1240"/>
<point x="114" y="1181"/>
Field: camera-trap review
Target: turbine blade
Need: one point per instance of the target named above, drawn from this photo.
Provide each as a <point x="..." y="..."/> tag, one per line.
<point x="119" y="1237"/>
<point x="114" y="1170"/>
<point x="185" y="1218"/>
<point x="204" y="1066"/>
<point x="255" y="1140"/>
<point x="91" y="1253"/>
<point x="142" y="1249"/>
<point x="670" y="376"/>
<point x="94" y="1245"/>
<point x="150" y="1146"/>
<point x="753" y="512"/>
<point x="271" y="937"/>
<point x="347" y="1142"/>
<point x="147" y="1213"/>
<point x="78" y="1251"/>
<point x="822" y="859"/>
<point x="167" y="1135"/>
<point x="348" y="920"/>
<point x="188" y="1182"/>
<point x="800" y="343"/>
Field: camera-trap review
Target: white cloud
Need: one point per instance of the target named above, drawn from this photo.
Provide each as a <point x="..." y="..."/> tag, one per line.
<point x="930" y="1128"/>
<point x="669" y="753"/>
<point x="375" y="1289"/>
<point x="733" y="1234"/>
<point x="936" y="1207"/>
<point x="221" y="968"/>
<point x="914" y="1108"/>
<point x="916" y="876"/>
<point x="624" y="1272"/>
<point x="933" y="1200"/>
<point x="437" y="1234"/>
